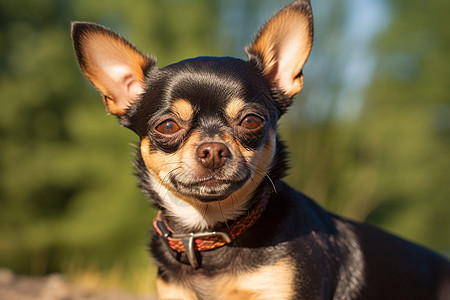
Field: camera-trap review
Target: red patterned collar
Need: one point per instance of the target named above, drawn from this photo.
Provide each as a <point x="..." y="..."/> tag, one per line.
<point x="191" y="243"/>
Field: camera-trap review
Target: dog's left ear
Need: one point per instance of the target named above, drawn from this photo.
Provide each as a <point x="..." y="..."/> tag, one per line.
<point x="282" y="46"/>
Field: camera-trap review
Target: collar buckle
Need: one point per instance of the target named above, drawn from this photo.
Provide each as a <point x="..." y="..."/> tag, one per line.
<point x="188" y="241"/>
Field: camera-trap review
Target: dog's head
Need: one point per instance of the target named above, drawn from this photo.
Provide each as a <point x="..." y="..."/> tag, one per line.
<point x="207" y="126"/>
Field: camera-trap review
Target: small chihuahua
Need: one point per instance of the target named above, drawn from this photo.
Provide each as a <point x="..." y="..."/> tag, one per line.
<point x="211" y="161"/>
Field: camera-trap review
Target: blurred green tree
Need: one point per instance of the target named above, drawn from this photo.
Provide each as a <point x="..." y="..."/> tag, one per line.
<point x="408" y="108"/>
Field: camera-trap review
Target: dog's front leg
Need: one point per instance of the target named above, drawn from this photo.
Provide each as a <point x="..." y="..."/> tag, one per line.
<point x="171" y="291"/>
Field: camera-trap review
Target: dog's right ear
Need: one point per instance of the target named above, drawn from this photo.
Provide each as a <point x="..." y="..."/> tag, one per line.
<point x="112" y="65"/>
<point x="282" y="47"/>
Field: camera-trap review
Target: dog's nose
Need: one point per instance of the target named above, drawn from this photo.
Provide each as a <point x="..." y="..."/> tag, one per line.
<point x="213" y="155"/>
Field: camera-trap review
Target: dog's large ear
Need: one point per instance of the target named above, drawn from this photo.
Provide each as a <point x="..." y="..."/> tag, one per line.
<point x="283" y="45"/>
<point x="112" y="65"/>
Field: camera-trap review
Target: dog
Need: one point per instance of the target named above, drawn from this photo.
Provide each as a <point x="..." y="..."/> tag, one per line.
<point x="210" y="159"/>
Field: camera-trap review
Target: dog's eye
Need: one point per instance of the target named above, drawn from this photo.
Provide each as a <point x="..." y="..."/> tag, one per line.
<point x="168" y="127"/>
<point x="252" y="122"/>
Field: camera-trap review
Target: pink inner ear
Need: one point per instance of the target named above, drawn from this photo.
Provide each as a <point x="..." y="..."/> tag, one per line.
<point x="115" y="68"/>
<point x="292" y="50"/>
<point x="123" y="85"/>
<point x="284" y="44"/>
<point x="134" y="88"/>
<point x="292" y="54"/>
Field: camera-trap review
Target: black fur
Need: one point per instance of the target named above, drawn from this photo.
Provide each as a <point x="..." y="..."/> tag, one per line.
<point x="337" y="259"/>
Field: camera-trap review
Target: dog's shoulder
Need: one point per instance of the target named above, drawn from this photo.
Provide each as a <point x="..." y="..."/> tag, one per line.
<point x="367" y="261"/>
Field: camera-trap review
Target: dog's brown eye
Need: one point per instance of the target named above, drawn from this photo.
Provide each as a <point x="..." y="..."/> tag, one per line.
<point x="168" y="127"/>
<point x="252" y="122"/>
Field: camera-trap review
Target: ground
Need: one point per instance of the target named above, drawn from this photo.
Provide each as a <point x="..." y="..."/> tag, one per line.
<point x="53" y="287"/>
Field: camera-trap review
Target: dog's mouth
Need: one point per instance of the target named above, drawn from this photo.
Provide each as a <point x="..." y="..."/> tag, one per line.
<point x="211" y="188"/>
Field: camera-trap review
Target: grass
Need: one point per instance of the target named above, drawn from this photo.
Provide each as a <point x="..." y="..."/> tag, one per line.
<point x="136" y="279"/>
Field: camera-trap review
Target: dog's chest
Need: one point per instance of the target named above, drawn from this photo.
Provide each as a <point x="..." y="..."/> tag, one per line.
<point x="274" y="281"/>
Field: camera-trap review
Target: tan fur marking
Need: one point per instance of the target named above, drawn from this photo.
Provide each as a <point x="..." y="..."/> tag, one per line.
<point x="169" y="291"/>
<point x="160" y="164"/>
<point x="156" y="162"/>
<point x="260" y="160"/>
<point x="265" y="283"/>
<point x="234" y="107"/>
<point x="268" y="282"/>
<point x="183" y="109"/>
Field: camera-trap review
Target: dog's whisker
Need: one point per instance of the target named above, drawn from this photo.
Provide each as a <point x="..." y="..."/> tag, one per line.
<point x="261" y="172"/>
<point x="197" y="205"/>
<point x="271" y="182"/>
<point x="232" y="201"/>
<point x="169" y="163"/>
<point x="206" y="211"/>
<point x="223" y="216"/>
<point x="167" y="176"/>
<point x="266" y="178"/>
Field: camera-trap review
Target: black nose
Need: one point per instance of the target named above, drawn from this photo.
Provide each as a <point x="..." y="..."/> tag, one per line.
<point x="213" y="155"/>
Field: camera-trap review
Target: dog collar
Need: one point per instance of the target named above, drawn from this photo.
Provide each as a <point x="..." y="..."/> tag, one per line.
<point x="191" y="243"/>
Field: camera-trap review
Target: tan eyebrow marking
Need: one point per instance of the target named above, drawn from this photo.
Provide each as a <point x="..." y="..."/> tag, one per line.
<point x="233" y="108"/>
<point x="183" y="109"/>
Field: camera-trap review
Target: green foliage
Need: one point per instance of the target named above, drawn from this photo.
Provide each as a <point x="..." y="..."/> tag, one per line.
<point x="407" y="102"/>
